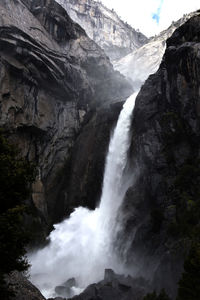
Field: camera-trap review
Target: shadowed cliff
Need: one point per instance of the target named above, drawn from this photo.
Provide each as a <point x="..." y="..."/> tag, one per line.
<point x="52" y="76"/>
<point x="161" y="209"/>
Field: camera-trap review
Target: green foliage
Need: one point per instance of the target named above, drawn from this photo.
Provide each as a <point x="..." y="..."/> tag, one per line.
<point x="16" y="176"/>
<point x="172" y="127"/>
<point x="157" y="218"/>
<point x="154" y="296"/>
<point x="189" y="285"/>
<point x="150" y="296"/>
<point x="173" y="132"/>
<point x="186" y="196"/>
<point x="184" y="193"/>
<point x="13" y="239"/>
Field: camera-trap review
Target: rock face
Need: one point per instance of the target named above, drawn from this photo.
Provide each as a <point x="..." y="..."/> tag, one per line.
<point x="23" y="288"/>
<point x="145" y="60"/>
<point x="165" y="153"/>
<point x="114" y="286"/>
<point x="66" y="288"/>
<point x="59" y="99"/>
<point x="51" y="76"/>
<point x="80" y="180"/>
<point x="104" y="27"/>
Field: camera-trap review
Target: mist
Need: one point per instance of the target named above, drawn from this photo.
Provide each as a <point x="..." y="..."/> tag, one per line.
<point x="81" y="247"/>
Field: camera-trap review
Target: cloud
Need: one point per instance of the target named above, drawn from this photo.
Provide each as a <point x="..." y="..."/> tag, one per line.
<point x="139" y="13"/>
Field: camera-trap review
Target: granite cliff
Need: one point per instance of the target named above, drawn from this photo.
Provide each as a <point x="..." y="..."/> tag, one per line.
<point x="145" y="60"/>
<point x="60" y="97"/>
<point x="160" y="211"/>
<point x="52" y="80"/>
<point x="104" y="26"/>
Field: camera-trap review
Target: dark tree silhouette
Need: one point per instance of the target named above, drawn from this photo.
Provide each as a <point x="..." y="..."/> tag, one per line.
<point x="16" y="176"/>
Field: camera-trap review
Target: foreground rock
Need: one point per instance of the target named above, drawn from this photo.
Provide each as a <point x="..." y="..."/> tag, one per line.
<point x="57" y="298"/>
<point x="66" y="289"/>
<point x="118" y="287"/>
<point x="23" y="288"/>
<point x="113" y="286"/>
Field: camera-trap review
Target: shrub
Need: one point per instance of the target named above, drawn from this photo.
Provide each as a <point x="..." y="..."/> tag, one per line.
<point x="189" y="285"/>
<point x="16" y="176"/>
<point x="154" y="296"/>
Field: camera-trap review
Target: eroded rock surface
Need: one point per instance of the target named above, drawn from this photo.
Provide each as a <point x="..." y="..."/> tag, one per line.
<point x="51" y="76"/>
<point x="141" y="62"/>
<point x="165" y="156"/>
<point x="80" y="181"/>
<point x="23" y="288"/>
<point x="104" y="26"/>
<point x="114" y="286"/>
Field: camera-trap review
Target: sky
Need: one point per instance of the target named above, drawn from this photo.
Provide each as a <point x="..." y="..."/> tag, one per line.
<point x="151" y="16"/>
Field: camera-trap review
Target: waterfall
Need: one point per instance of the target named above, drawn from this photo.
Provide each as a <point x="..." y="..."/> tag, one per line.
<point x="81" y="246"/>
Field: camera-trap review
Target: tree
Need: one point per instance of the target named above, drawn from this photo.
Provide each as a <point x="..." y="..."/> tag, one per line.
<point x="189" y="285"/>
<point x="16" y="176"/>
<point x="154" y="296"/>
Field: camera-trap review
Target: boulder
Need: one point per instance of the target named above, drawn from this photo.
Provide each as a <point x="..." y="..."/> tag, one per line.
<point x="22" y="287"/>
<point x="115" y="286"/>
<point x="65" y="289"/>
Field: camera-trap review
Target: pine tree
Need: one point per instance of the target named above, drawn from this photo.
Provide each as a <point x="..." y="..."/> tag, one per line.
<point x="189" y="285"/>
<point x="16" y="175"/>
<point x="154" y="296"/>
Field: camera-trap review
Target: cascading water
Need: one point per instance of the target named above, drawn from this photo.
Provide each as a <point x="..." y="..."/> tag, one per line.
<point x="81" y="246"/>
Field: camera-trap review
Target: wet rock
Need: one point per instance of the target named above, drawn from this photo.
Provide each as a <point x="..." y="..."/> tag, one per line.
<point x="115" y="286"/>
<point x="65" y="289"/>
<point x="81" y="180"/>
<point x="109" y="274"/>
<point x="23" y="288"/>
<point x="57" y="298"/>
<point x="70" y="282"/>
<point x="52" y="77"/>
<point x="165" y="139"/>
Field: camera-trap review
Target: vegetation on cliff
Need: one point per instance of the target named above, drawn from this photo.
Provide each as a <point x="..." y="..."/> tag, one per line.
<point x="16" y="175"/>
<point x="154" y="296"/>
<point x="189" y="285"/>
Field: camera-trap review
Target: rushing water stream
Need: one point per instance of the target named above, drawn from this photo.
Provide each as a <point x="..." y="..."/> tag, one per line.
<point x="81" y="246"/>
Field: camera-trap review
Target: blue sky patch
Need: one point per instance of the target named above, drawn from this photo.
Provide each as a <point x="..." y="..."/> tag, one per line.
<point x="156" y="15"/>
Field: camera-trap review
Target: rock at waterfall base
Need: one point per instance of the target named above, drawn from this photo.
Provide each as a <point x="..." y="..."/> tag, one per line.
<point x="22" y="287"/>
<point x="115" y="286"/>
<point x="65" y="289"/>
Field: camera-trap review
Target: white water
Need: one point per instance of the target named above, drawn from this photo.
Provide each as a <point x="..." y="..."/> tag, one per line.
<point x="81" y="246"/>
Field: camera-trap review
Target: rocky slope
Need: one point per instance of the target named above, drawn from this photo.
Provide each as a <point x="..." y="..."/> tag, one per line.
<point x="51" y="77"/>
<point x="160" y="211"/>
<point x="145" y="60"/>
<point x="22" y="287"/>
<point x="104" y="27"/>
<point x="114" y="286"/>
